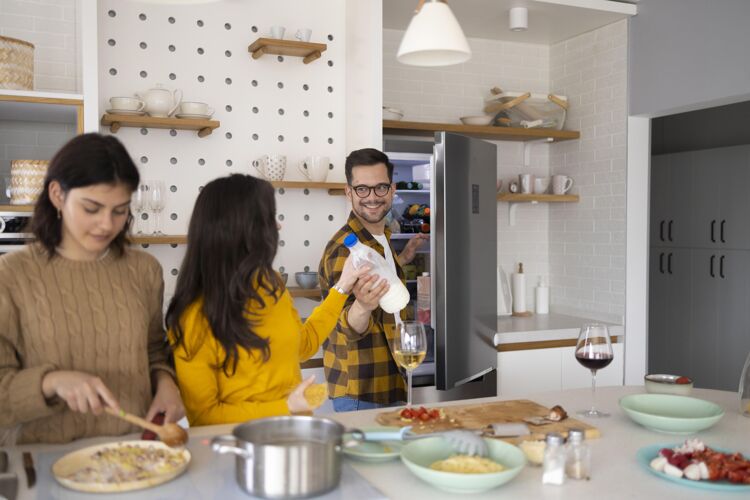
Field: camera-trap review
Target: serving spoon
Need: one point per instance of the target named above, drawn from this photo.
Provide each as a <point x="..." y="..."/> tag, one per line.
<point x="170" y="434"/>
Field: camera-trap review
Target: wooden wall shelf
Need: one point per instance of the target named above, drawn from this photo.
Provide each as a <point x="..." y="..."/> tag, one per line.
<point x="204" y="127"/>
<point x="396" y="127"/>
<point x="307" y="293"/>
<point x="167" y="239"/>
<point x="544" y="198"/>
<point x="334" y="188"/>
<point x="17" y="208"/>
<point x="306" y="50"/>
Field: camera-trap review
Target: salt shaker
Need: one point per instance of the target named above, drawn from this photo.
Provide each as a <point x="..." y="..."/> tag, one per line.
<point x="577" y="455"/>
<point x="553" y="471"/>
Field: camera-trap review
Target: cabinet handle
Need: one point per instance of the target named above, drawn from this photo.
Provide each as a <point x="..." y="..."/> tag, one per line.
<point x="669" y="263"/>
<point x="713" y="257"/>
<point x="721" y="267"/>
<point x="669" y="230"/>
<point x="721" y="230"/>
<point x="713" y="227"/>
<point x="661" y="230"/>
<point x="661" y="262"/>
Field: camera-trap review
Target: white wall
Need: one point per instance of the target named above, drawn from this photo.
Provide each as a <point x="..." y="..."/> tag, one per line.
<point x="587" y="239"/>
<point x="51" y="26"/>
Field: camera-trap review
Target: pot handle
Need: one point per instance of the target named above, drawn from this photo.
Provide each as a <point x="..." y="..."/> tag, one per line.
<point x="398" y="435"/>
<point x="357" y="437"/>
<point x="228" y="444"/>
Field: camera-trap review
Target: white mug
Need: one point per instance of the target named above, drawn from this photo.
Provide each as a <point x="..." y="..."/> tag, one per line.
<point x="540" y="185"/>
<point x="315" y="168"/>
<point x="277" y="32"/>
<point x="561" y="184"/>
<point x="526" y="182"/>
<point x="272" y="167"/>
<point x="127" y="103"/>
<point x="196" y="108"/>
<point x="303" y="34"/>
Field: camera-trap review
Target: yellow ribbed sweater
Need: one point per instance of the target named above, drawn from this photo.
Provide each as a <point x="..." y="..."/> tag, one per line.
<point x="101" y="317"/>
<point x="257" y="389"/>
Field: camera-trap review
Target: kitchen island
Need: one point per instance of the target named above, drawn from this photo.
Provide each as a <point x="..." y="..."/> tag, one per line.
<point x="615" y="473"/>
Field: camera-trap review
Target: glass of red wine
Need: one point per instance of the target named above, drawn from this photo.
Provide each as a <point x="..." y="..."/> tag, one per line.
<point x="594" y="351"/>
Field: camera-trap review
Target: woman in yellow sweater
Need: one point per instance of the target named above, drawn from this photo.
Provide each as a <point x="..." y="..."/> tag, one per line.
<point x="237" y="338"/>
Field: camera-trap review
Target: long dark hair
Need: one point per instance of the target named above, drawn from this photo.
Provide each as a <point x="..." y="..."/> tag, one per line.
<point x="232" y="241"/>
<point x="85" y="160"/>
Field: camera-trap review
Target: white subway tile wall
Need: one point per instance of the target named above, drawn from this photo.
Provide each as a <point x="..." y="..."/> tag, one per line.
<point x="587" y="239"/>
<point x="51" y="26"/>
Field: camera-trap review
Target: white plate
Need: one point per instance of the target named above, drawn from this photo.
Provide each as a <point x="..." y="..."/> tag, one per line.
<point x="80" y="459"/>
<point x="190" y="116"/>
<point x="125" y="112"/>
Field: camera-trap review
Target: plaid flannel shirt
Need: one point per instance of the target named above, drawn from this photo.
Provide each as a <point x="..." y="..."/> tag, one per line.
<point x="359" y="365"/>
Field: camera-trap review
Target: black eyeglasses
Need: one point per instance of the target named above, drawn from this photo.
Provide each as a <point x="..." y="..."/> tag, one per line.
<point x="364" y="191"/>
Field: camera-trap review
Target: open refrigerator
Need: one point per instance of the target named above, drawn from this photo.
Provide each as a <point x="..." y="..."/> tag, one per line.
<point x="461" y="259"/>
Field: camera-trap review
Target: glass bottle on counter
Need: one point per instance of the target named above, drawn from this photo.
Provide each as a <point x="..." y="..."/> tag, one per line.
<point x="577" y="455"/>
<point x="745" y="388"/>
<point x="553" y="471"/>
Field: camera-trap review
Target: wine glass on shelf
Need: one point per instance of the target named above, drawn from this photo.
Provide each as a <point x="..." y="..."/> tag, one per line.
<point x="594" y="351"/>
<point x="156" y="203"/>
<point x="409" y="349"/>
<point x="139" y="203"/>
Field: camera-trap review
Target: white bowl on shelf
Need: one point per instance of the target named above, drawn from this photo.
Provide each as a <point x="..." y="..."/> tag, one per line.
<point x="392" y="114"/>
<point x="482" y="120"/>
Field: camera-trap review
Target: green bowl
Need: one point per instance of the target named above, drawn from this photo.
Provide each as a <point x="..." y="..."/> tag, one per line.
<point x="671" y="414"/>
<point x="420" y="454"/>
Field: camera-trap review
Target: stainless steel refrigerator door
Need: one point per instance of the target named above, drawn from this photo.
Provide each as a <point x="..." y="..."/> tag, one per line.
<point x="464" y="217"/>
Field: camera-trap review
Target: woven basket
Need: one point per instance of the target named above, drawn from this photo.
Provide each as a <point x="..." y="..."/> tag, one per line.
<point x="16" y="64"/>
<point x="26" y="180"/>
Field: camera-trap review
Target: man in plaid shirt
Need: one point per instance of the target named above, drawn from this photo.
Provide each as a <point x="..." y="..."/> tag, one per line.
<point x="359" y="367"/>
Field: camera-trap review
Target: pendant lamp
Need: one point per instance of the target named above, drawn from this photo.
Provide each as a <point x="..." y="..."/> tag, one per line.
<point x="434" y="37"/>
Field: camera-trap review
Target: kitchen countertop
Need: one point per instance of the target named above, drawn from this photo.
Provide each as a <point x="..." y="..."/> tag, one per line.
<point x="544" y="327"/>
<point x="615" y="473"/>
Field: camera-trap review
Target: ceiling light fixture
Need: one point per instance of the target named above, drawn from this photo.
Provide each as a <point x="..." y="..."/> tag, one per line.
<point x="518" y="19"/>
<point x="434" y="37"/>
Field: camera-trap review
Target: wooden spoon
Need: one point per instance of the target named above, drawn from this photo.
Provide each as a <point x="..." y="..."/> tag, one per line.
<point x="170" y="434"/>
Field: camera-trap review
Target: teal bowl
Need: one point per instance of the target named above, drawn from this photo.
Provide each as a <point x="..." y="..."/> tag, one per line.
<point x="671" y="414"/>
<point x="420" y="454"/>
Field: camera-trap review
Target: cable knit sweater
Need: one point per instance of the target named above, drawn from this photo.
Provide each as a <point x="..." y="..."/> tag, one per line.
<point x="101" y="317"/>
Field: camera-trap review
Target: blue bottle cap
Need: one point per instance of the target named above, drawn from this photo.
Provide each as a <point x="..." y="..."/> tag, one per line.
<point x="350" y="240"/>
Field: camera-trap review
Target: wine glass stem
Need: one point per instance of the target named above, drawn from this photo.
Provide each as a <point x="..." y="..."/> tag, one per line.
<point x="157" y="221"/>
<point x="593" y="390"/>
<point x="408" y="387"/>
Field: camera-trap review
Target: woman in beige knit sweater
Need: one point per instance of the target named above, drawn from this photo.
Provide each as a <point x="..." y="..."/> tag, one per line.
<point x="81" y="312"/>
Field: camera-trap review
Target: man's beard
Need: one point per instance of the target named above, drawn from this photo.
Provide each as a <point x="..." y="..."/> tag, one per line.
<point x="361" y="211"/>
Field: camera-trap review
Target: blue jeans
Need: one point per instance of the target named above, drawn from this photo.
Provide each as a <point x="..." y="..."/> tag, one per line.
<point x="345" y="403"/>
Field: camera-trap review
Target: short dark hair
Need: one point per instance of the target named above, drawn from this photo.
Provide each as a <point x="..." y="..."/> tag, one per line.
<point x="364" y="158"/>
<point x="83" y="161"/>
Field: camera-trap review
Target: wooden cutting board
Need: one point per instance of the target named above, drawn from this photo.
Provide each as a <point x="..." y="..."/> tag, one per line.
<point x="478" y="417"/>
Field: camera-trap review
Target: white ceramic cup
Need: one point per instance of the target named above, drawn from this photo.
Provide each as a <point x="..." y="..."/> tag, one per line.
<point x="303" y="34"/>
<point x="272" y="167"/>
<point x="561" y="184"/>
<point x="127" y="103"/>
<point x="526" y="183"/>
<point x="315" y="168"/>
<point x="277" y="32"/>
<point x="540" y="185"/>
<point x="196" y="108"/>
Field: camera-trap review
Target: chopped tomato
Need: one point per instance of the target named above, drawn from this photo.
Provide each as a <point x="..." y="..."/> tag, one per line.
<point x="424" y="417"/>
<point x="682" y="380"/>
<point x="435" y="413"/>
<point x="407" y="413"/>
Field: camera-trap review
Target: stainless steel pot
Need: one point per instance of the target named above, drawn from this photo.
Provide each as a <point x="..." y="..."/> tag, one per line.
<point x="287" y="457"/>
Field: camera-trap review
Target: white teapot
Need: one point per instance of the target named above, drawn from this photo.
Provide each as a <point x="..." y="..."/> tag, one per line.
<point x="161" y="102"/>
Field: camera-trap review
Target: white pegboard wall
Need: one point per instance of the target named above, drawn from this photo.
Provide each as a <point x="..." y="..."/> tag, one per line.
<point x="271" y="105"/>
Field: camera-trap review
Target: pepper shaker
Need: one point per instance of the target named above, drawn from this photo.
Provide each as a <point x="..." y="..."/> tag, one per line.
<point x="554" y="460"/>
<point x="577" y="455"/>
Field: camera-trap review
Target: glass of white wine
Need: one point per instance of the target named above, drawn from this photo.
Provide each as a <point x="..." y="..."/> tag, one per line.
<point x="409" y="349"/>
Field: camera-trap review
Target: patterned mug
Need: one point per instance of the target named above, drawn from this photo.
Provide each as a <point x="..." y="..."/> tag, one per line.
<point x="272" y="167"/>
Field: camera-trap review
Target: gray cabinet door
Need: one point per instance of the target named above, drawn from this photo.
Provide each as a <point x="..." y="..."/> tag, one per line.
<point x="659" y="200"/>
<point x="733" y="175"/>
<point x="658" y="290"/>
<point x="678" y="227"/>
<point x="705" y="218"/>
<point x="703" y="312"/>
<point x="732" y="338"/>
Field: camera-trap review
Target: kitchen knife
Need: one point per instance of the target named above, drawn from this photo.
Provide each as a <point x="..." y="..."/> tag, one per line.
<point x="8" y="480"/>
<point x="28" y="466"/>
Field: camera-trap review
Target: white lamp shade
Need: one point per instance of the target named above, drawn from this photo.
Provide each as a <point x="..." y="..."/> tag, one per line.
<point x="434" y="38"/>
